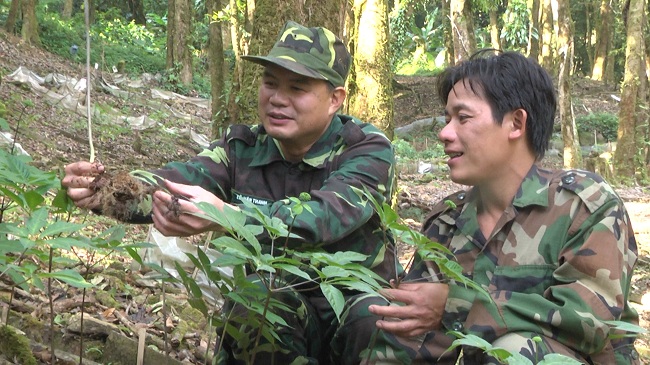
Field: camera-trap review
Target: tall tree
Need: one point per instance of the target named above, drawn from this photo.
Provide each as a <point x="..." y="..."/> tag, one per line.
<point x="572" y="154"/>
<point x="137" y="10"/>
<point x="12" y="16"/>
<point x="179" y="31"/>
<point x="533" y="31"/>
<point x="603" y="40"/>
<point x="29" y="31"/>
<point x="330" y="14"/>
<point x="370" y="96"/>
<point x="462" y="29"/>
<point x="633" y="117"/>
<point x="92" y="8"/>
<point x="216" y="62"/>
<point x="68" y="6"/>
<point x="495" y="37"/>
<point x="447" y="31"/>
<point x="547" y="35"/>
<point x="237" y="21"/>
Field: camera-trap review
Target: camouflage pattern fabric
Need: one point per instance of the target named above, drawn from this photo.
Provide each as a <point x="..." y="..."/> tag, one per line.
<point x="312" y="52"/>
<point x="351" y="157"/>
<point x="557" y="265"/>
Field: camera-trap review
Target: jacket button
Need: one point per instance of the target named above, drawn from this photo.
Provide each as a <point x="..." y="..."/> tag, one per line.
<point x="457" y="326"/>
<point x="569" y="179"/>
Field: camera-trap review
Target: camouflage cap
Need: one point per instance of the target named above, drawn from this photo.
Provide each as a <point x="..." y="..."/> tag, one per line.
<point x="313" y="52"/>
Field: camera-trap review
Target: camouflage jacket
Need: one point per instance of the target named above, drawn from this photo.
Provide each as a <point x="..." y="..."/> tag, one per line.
<point x="558" y="263"/>
<point x="350" y="157"/>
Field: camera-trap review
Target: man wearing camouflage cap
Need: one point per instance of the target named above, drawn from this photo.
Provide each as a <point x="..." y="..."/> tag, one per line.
<point x="554" y="249"/>
<point x="300" y="145"/>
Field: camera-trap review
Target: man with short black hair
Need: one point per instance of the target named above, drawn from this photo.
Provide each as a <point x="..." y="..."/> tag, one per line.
<point x="554" y="249"/>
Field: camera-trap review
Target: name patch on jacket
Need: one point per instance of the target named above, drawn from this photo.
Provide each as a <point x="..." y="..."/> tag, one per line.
<point x="240" y="198"/>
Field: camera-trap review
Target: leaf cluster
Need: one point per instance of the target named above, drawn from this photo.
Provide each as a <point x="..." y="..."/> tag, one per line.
<point x="36" y="232"/>
<point x="604" y="123"/>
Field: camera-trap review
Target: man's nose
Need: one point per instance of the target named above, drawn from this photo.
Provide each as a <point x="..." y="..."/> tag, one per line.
<point x="279" y="96"/>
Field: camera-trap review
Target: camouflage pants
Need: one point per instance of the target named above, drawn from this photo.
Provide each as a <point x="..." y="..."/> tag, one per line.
<point x="312" y="334"/>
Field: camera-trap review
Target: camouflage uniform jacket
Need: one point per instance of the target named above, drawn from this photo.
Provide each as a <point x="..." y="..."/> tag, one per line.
<point x="246" y="164"/>
<point x="558" y="263"/>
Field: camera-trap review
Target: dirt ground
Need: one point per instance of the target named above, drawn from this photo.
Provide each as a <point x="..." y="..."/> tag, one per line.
<point x="48" y="138"/>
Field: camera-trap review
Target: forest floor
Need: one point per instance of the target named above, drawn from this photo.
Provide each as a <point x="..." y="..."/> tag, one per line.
<point x="54" y="136"/>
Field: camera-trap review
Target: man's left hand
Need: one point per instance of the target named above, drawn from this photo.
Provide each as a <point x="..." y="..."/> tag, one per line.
<point x="182" y="222"/>
<point x="424" y="304"/>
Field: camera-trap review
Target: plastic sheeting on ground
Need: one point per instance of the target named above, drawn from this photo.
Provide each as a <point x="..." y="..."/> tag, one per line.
<point x="70" y="93"/>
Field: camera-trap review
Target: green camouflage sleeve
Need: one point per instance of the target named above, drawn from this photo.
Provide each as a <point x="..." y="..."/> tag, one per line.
<point x="339" y="208"/>
<point x="359" y="156"/>
<point x="561" y="270"/>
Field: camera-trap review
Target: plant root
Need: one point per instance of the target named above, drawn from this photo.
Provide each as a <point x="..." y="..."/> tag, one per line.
<point x="119" y="194"/>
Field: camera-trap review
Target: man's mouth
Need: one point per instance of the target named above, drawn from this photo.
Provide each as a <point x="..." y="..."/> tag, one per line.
<point x="278" y="116"/>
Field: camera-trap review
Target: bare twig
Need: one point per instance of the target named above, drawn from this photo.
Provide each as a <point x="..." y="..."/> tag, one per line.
<point x="88" y="111"/>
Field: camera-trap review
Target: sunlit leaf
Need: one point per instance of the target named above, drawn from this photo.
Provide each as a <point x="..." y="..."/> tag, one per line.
<point x="68" y="276"/>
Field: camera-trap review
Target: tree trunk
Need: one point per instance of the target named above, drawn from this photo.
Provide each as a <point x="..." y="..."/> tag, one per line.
<point x="29" y="32"/>
<point x="447" y="33"/>
<point x="572" y="153"/>
<point x="216" y="62"/>
<point x="91" y="14"/>
<point x="534" y="31"/>
<point x="236" y="30"/>
<point x="629" y="157"/>
<point x="609" y="77"/>
<point x="179" y="31"/>
<point x="462" y="32"/>
<point x="137" y="9"/>
<point x="327" y="13"/>
<point x="370" y="96"/>
<point x="68" y="6"/>
<point x="12" y="17"/>
<point x="546" y="36"/>
<point x="603" y="34"/>
<point x="495" y="38"/>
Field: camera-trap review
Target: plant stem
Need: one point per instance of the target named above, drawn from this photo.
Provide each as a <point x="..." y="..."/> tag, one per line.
<point x="88" y="111"/>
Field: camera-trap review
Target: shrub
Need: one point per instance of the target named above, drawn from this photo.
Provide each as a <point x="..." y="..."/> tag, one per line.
<point x="113" y="42"/>
<point x="604" y="123"/>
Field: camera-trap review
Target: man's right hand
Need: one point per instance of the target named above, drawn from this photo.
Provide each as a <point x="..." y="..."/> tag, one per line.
<point x="77" y="179"/>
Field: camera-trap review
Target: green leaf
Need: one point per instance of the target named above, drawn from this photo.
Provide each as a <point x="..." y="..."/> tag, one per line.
<point x="33" y="199"/>
<point x="66" y="243"/>
<point x="334" y="298"/>
<point x="62" y="202"/>
<point x="228" y="244"/>
<point x="16" y="274"/>
<point x="61" y="227"/>
<point x="37" y="221"/>
<point x="10" y="246"/>
<point x="12" y="196"/>
<point x="293" y="270"/>
<point x="68" y="276"/>
<point x="335" y="271"/>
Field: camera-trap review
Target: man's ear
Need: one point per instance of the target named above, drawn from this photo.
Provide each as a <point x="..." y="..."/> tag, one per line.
<point x="518" y="125"/>
<point x="337" y="99"/>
